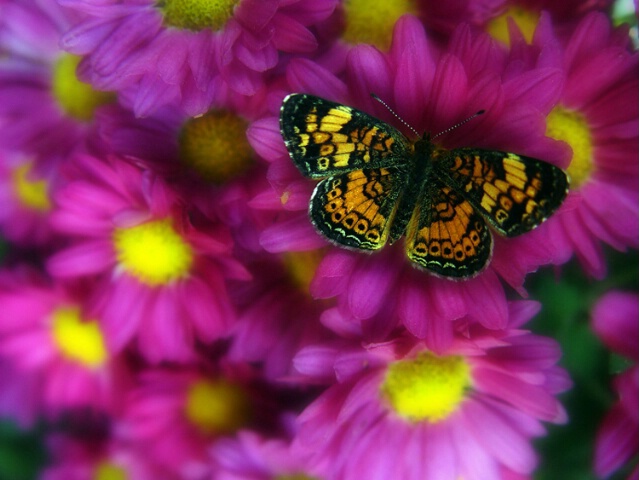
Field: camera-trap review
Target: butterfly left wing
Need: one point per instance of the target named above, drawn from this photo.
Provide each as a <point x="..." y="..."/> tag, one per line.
<point x="446" y="235"/>
<point x="514" y="193"/>
<point x="356" y="209"/>
<point x="325" y="138"/>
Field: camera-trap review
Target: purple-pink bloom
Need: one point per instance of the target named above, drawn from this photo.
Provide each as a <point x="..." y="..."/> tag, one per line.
<point x="597" y="115"/>
<point x="430" y="89"/>
<point x="159" y="280"/>
<point x="615" y="319"/>
<point x="354" y="430"/>
<point x="48" y="338"/>
<point x="157" y="57"/>
<point x="33" y="122"/>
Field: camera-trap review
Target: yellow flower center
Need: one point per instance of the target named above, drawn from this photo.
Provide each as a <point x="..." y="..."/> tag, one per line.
<point x="427" y="387"/>
<point x="197" y="15"/>
<point x="372" y="21"/>
<point x="32" y="193"/>
<point x="571" y="127"/>
<point x="77" y="99"/>
<point x="78" y="339"/>
<point x="526" y="20"/>
<point x="301" y="267"/>
<point x="217" y="406"/>
<point x="153" y="252"/>
<point x="109" y="471"/>
<point x="215" y="146"/>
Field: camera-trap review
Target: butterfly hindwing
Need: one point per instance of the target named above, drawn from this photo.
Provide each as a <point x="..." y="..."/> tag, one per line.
<point x="356" y="209"/>
<point x="515" y="193"/>
<point x="446" y="235"/>
<point x="326" y="138"/>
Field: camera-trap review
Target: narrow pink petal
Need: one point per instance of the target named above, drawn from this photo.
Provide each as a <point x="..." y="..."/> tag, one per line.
<point x="87" y="258"/>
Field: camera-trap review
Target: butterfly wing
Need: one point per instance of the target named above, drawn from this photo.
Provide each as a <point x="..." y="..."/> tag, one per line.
<point x="513" y="192"/>
<point x="446" y="235"/>
<point x="326" y="138"/>
<point x="356" y="209"/>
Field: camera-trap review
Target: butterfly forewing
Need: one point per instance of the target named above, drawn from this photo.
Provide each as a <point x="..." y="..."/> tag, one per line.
<point x="326" y="138"/>
<point x="446" y="235"/>
<point x="515" y="193"/>
<point x="356" y="209"/>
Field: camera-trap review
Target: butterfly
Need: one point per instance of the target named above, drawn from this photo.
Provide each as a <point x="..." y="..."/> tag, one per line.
<point x="377" y="186"/>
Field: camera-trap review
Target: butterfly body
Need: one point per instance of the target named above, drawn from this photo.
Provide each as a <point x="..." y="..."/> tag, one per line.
<point x="377" y="186"/>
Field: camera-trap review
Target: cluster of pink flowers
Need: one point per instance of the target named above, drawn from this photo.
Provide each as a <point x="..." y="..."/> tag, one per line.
<point x="167" y="310"/>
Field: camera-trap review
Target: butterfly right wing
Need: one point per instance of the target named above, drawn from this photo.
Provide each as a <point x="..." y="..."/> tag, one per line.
<point x="326" y="138"/>
<point x="446" y="235"/>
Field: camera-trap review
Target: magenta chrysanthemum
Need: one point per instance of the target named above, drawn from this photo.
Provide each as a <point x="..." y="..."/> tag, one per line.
<point x="597" y="115"/>
<point x="46" y="333"/>
<point x="188" y="52"/>
<point x="160" y="280"/>
<point x="452" y="85"/>
<point x="398" y="410"/>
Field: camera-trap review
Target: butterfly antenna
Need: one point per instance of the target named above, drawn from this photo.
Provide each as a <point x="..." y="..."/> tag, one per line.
<point x="395" y="115"/>
<point x="476" y="114"/>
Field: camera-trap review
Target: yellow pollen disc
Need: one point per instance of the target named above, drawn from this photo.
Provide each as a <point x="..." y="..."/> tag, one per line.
<point x="571" y="127"/>
<point x="426" y="388"/>
<point x="197" y="15"/>
<point x="153" y="252"/>
<point x="372" y="21"/>
<point x="526" y="20"/>
<point x="109" y="471"/>
<point x="32" y="193"/>
<point x="301" y="267"/>
<point x="217" y="407"/>
<point x="78" y="339"/>
<point x="77" y="99"/>
<point x="215" y="146"/>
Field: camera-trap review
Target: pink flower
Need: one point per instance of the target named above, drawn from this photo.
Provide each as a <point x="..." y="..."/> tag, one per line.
<point x="397" y="410"/>
<point x="597" y="117"/>
<point x="174" y="416"/>
<point x="48" y="338"/>
<point x="161" y="54"/>
<point x="615" y="319"/>
<point x="25" y="195"/>
<point x="453" y="84"/>
<point x="276" y="317"/>
<point x="45" y="112"/>
<point x="159" y="280"/>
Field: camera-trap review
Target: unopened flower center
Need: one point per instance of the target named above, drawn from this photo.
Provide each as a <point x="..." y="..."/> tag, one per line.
<point x="197" y="15"/>
<point x="215" y="146"/>
<point x="427" y="387"/>
<point x="78" y="339"/>
<point x="372" y="21"/>
<point x="217" y="406"/>
<point x="32" y="193"/>
<point x="109" y="471"/>
<point x="77" y="99"/>
<point x="526" y="20"/>
<point x="153" y="252"/>
<point x="571" y="127"/>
